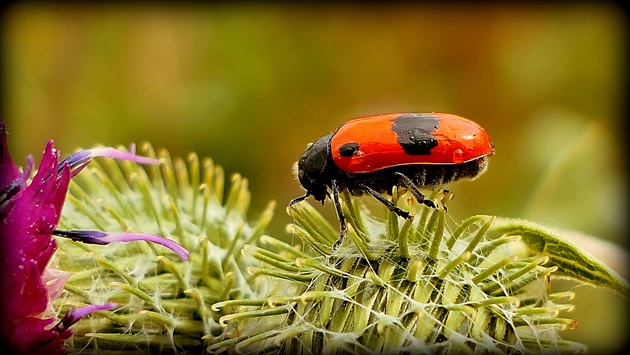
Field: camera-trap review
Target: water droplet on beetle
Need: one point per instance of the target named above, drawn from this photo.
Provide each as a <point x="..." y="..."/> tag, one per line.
<point x="458" y="156"/>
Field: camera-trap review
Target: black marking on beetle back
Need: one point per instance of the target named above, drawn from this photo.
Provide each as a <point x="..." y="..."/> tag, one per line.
<point x="348" y="149"/>
<point x="415" y="133"/>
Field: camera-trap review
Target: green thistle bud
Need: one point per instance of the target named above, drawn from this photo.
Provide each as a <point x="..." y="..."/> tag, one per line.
<point x="419" y="287"/>
<point x="165" y="301"/>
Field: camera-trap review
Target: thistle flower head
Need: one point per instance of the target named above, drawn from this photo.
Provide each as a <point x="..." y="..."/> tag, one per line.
<point x="165" y="303"/>
<point x="415" y="287"/>
<point x="30" y="211"/>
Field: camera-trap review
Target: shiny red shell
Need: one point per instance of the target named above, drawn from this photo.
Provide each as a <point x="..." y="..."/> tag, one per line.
<point x="372" y="143"/>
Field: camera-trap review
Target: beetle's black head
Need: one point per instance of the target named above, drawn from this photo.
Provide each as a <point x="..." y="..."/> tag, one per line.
<point x="314" y="168"/>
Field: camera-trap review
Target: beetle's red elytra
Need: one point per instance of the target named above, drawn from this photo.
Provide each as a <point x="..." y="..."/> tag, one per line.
<point x="371" y="155"/>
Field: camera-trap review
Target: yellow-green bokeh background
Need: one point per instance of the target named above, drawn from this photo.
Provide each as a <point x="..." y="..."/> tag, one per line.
<point x="251" y="84"/>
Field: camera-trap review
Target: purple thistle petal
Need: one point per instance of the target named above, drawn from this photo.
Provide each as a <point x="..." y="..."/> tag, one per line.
<point x="10" y="188"/>
<point x="83" y="236"/>
<point x="80" y="159"/>
<point x="76" y="162"/>
<point x="33" y="335"/>
<point x="122" y="155"/>
<point x="102" y="238"/>
<point x="75" y="314"/>
<point x="10" y="171"/>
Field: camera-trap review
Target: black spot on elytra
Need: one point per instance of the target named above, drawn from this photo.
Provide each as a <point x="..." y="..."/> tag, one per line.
<point x="348" y="149"/>
<point x="415" y="133"/>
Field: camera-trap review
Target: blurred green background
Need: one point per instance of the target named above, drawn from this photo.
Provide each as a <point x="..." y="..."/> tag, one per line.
<point x="251" y="84"/>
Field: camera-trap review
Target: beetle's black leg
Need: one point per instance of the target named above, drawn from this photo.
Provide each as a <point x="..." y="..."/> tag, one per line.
<point x="342" y="219"/>
<point x="414" y="190"/>
<point x="389" y="204"/>
<point x="299" y="199"/>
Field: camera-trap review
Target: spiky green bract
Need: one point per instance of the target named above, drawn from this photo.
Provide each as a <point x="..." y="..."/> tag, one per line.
<point x="400" y="286"/>
<point x="573" y="262"/>
<point x="164" y="301"/>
